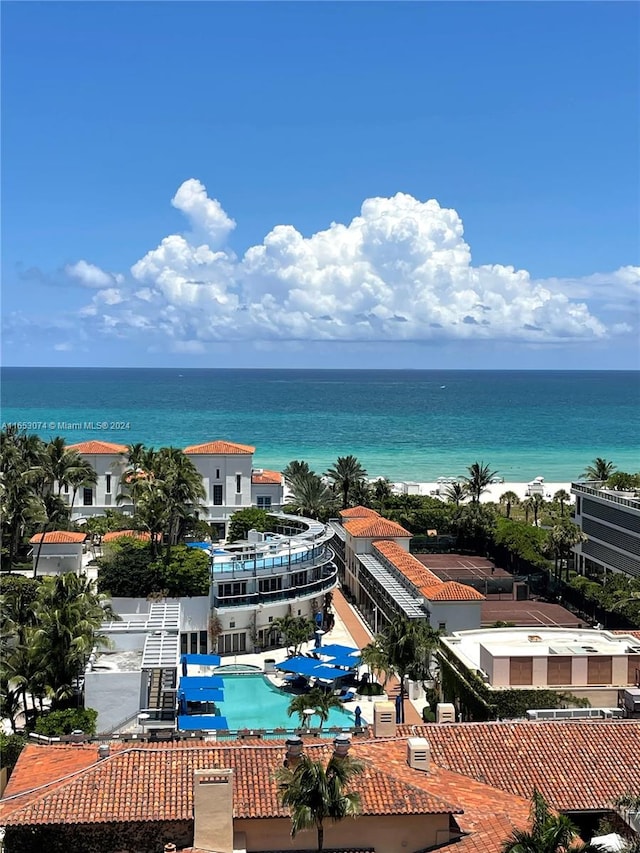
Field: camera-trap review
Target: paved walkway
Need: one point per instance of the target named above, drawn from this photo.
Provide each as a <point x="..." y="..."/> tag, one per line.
<point x="362" y="636"/>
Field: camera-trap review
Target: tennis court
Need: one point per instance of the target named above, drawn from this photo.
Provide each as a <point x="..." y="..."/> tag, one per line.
<point x="529" y="614"/>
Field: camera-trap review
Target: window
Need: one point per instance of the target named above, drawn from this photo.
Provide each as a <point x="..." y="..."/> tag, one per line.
<point x="193" y="645"/>
<point x="228" y="643"/>
<point x="87" y="497"/>
<point x="217" y="495"/>
<point x="299" y="578"/>
<point x="66" y="488"/>
<point x="217" y="473"/>
<point x="269" y="584"/>
<point x="238" y="483"/>
<point x="204" y="643"/>
<point x="184" y="648"/>
<point x="264" y="501"/>
<point x="559" y="670"/>
<point x="599" y="669"/>
<point x="442" y="626"/>
<point x="226" y="590"/>
<point x="194" y="642"/>
<point x="107" y="479"/>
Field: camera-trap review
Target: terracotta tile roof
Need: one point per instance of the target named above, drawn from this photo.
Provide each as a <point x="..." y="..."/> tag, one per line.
<point x="576" y="764"/>
<point x="120" y="534"/>
<point x="424" y="580"/>
<point x="155" y="782"/>
<point x="220" y="448"/>
<point x="374" y="528"/>
<point x="98" y="448"/>
<point x="451" y="591"/>
<point x="359" y="512"/>
<point x="635" y="634"/>
<point x="58" y="537"/>
<point x="266" y="478"/>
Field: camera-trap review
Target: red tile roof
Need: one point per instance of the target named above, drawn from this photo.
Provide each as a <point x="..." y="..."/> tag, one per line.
<point x="266" y="478"/>
<point x="98" y="448"/>
<point x="120" y="534"/>
<point x="359" y="512"/>
<point x="155" y="782"/>
<point x="635" y="634"/>
<point x="220" y="448"/>
<point x="576" y="764"/>
<point x="424" y="581"/>
<point x="375" y="528"/>
<point x="58" y="537"/>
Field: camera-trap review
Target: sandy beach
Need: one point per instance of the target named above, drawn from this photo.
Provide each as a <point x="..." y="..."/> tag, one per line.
<point x="492" y="494"/>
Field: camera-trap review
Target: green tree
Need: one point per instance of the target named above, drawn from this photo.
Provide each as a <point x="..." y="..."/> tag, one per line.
<point x="310" y="496"/>
<point x="562" y="497"/>
<point x="59" y="723"/>
<point x="478" y="478"/>
<point x="127" y="568"/>
<point x="600" y="469"/>
<point x="455" y="493"/>
<point x="549" y="833"/>
<point x="562" y="538"/>
<point x="375" y="659"/>
<point x="248" y="519"/>
<point x="186" y="574"/>
<point x="345" y="475"/>
<point x="537" y="502"/>
<point x="509" y="499"/>
<point x="294" y="471"/>
<point x="382" y="491"/>
<point x="621" y="481"/>
<point x="294" y="630"/>
<point x="315" y="793"/>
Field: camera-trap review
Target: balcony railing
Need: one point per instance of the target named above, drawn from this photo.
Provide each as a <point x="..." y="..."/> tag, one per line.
<point x="253" y="598"/>
<point x="597" y="490"/>
<point x="272" y="565"/>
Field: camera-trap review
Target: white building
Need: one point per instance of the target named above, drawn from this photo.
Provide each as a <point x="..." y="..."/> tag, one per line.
<point x="611" y="521"/>
<point x="384" y="579"/>
<point x="229" y="479"/>
<point x="59" y="552"/>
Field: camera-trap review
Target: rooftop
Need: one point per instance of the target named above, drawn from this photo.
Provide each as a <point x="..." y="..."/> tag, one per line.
<point x="58" y="537"/>
<point x="537" y="642"/>
<point x="219" y="447"/>
<point x="98" y="448"/>
<point x="375" y="527"/>
<point x="264" y="478"/>
<point x="120" y="534"/>
<point x="359" y="512"/>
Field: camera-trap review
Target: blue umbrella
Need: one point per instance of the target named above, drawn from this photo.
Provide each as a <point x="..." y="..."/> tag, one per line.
<point x="358" y="716"/>
<point x="398" y="709"/>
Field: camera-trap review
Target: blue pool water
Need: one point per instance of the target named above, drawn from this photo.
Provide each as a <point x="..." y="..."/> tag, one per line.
<point x="251" y="702"/>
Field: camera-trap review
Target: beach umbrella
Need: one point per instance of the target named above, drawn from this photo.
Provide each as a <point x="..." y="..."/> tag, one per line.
<point x="398" y="709"/>
<point x="358" y="716"/>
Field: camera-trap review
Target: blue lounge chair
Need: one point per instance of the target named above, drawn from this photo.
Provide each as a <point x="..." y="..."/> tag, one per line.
<point x="346" y="695"/>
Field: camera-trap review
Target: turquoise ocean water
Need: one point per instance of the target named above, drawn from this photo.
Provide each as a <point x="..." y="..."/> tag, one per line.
<point x="403" y="424"/>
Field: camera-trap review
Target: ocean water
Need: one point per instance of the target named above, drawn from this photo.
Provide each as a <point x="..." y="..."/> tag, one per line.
<point x="404" y="424"/>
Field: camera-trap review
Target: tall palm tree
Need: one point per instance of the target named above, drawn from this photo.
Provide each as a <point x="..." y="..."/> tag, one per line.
<point x="322" y="701"/>
<point x="455" y="493"/>
<point x="345" y="474"/>
<point x="562" y="497"/>
<point x="479" y="477"/>
<point x="315" y="793"/>
<point x="375" y="659"/>
<point x="527" y="506"/>
<point x="509" y="499"/>
<point x="294" y="470"/>
<point x="600" y="469"/>
<point x="537" y="502"/>
<point x="310" y="496"/>
<point x="382" y="492"/>
<point x="549" y="833"/>
<point x="561" y="539"/>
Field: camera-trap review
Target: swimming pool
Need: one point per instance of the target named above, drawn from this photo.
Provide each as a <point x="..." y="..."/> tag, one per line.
<point x="252" y="702"/>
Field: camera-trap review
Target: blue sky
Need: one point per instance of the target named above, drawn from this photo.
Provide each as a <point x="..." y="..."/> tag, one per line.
<point x="321" y="184"/>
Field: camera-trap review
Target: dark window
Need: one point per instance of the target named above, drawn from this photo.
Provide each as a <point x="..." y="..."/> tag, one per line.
<point x="442" y="626"/>
<point x="238" y="483"/>
<point x="299" y="578"/>
<point x="193" y="637"/>
<point x="107" y="487"/>
<point x="521" y="671"/>
<point x="269" y="584"/>
<point x="87" y="497"/>
<point x="232" y="643"/>
<point x="66" y="488"/>
<point x="203" y="643"/>
<point x="264" y="502"/>
<point x="228" y="589"/>
<point x="217" y="495"/>
<point x="217" y="473"/>
<point x="184" y="640"/>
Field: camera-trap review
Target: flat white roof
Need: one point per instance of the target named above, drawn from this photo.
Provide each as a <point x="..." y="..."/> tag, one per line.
<point x="538" y="642"/>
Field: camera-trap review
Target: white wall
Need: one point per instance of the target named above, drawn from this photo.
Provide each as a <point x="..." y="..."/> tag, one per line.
<point x="58" y="558"/>
<point x="457" y="615"/>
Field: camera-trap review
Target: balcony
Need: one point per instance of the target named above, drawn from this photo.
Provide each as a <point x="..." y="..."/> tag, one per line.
<point x="251" y="599"/>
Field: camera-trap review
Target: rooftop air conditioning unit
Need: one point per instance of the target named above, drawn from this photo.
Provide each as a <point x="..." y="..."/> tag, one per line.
<point x="418" y="753"/>
<point x="445" y="712"/>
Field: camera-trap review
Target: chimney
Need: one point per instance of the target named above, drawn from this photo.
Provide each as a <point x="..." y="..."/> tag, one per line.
<point x="294" y="746"/>
<point x="341" y="745"/>
<point x="384" y="719"/>
<point x="104" y="750"/>
<point x="213" y="810"/>
<point x="445" y="712"/>
<point x="418" y="753"/>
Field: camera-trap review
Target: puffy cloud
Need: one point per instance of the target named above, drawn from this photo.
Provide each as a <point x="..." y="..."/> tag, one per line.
<point x="89" y="275"/>
<point x="399" y="271"/>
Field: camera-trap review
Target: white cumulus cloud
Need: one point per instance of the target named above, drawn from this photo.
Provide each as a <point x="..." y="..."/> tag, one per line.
<point x="89" y="275"/>
<point x="399" y="271"/>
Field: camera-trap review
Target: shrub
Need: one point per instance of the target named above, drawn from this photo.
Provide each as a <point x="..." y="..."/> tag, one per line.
<point x="58" y="723"/>
<point x="370" y="688"/>
<point x="10" y="748"/>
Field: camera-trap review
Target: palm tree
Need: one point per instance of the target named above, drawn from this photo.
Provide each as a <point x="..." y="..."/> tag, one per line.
<point x="549" y="833"/>
<point x="509" y="499"/>
<point x="298" y="705"/>
<point x="375" y="658"/>
<point x="562" y="497"/>
<point x="344" y="475"/>
<point x="527" y="506"/>
<point x="600" y="469"/>
<point x="537" y="502"/>
<point x="294" y="470"/>
<point x="315" y="793"/>
<point x="322" y="701"/>
<point x="407" y="645"/>
<point x="382" y="492"/>
<point x="310" y="496"/>
<point x="455" y="493"/>
<point x="480" y="475"/>
<point x="562" y="538"/>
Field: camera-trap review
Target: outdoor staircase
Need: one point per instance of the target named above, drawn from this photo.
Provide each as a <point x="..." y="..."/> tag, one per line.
<point x="162" y="690"/>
